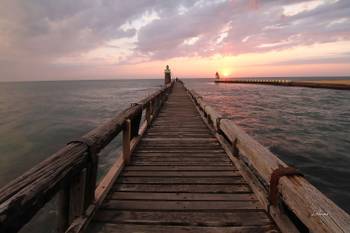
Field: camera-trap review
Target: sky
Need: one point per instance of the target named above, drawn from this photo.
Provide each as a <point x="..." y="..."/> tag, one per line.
<point x="113" y="39"/>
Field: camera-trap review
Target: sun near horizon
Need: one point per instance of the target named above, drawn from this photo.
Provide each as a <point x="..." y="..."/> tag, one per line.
<point x="225" y="72"/>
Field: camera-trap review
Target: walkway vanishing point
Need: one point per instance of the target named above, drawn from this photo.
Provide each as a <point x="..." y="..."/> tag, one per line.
<point x="183" y="168"/>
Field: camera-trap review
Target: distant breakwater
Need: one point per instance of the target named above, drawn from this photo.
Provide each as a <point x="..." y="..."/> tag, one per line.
<point x="340" y="85"/>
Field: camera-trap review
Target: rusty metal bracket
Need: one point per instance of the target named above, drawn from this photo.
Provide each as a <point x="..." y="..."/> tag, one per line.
<point x="275" y="177"/>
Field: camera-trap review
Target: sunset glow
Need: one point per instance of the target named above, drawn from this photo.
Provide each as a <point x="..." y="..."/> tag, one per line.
<point x="226" y="72"/>
<point x="92" y="40"/>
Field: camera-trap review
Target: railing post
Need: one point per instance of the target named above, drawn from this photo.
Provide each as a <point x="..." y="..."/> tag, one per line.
<point x="62" y="209"/>
<point x="91" y="177"/>
<point x="163" y="97"/>
<point x="156" y="104"/>
<point x="149" y="112"/>
<point x="77" y="196"/>
<point x="82" y="186"/>
<point x="126" y="140"/>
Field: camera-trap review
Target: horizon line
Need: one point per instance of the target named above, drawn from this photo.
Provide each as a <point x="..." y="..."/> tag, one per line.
<point x="119" y="79"/>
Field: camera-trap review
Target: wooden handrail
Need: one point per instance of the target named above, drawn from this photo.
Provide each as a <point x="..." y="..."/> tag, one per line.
<point x="317" y="212"/>
<point x="72" y="171"/>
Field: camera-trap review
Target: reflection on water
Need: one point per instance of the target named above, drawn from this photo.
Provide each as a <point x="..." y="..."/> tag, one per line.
<point x="308" y="128"/>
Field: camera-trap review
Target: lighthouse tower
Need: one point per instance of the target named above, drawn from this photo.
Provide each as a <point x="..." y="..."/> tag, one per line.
<point x="167" y="75"/>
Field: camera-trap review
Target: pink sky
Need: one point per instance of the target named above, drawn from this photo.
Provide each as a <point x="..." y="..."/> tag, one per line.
<point x="60" y="40"/>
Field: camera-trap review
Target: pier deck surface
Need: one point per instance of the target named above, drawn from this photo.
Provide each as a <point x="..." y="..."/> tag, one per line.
<point x="179" y="179"/>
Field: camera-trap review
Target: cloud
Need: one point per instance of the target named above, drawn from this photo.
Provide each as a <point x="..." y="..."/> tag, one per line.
<point x="270" y="25"/>
<point x="343" y="58"/>
<point x="42" y="33"/>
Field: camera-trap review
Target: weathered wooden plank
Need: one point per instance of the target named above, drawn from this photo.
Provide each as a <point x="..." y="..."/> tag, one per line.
<point x="122" y="228"/>
<point x="188" y="147"/>
<point x="182" y="180"/>
<point x="180" y="168"/>
<point x="136" y="228"/>
<point x="184" y="134"/>
<point x="169" y="154"/>
<point x="179" y="159"/>
<point x="169" y="158"/>
<point x="188" y="218"/>
<point x="177" y="135"/>
<point x="185" y="148"/>
<point x="178" y="163"/>
<point x="183" y="196"/>
<point x="182" y="151"/>
<point x="181" y="140"/>
<point x="181" y="173"/>
<point x="178" y="150"/>
<point x="193" y="188"/>
<point x="177" y="123"/>
<point x="180" y="205"/>
<point x="173" y="116"/>
<point x="178" y="129"/>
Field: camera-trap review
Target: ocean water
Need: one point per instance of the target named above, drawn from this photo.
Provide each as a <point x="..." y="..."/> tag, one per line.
<point x="38" y="118"/>
<point x="307" y="128"/>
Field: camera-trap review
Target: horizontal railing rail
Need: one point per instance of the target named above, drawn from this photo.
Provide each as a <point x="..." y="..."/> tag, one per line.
<point x="315" y="211"/>
<point x="71" y="172"/>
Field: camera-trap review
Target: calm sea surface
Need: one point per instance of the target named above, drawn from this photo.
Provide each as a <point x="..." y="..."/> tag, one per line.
<point x="308" y="128"/>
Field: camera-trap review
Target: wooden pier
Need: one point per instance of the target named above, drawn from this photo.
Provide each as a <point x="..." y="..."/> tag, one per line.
<point x="179" y="179"/>
<point x="183" y="168"/>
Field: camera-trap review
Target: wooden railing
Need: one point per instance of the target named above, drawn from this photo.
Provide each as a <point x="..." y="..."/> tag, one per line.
<point x="301" y="206"/>
<point x="71" y="172"/>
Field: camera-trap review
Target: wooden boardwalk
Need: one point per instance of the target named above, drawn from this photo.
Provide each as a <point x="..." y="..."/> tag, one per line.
<point x="179" y="179"/>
